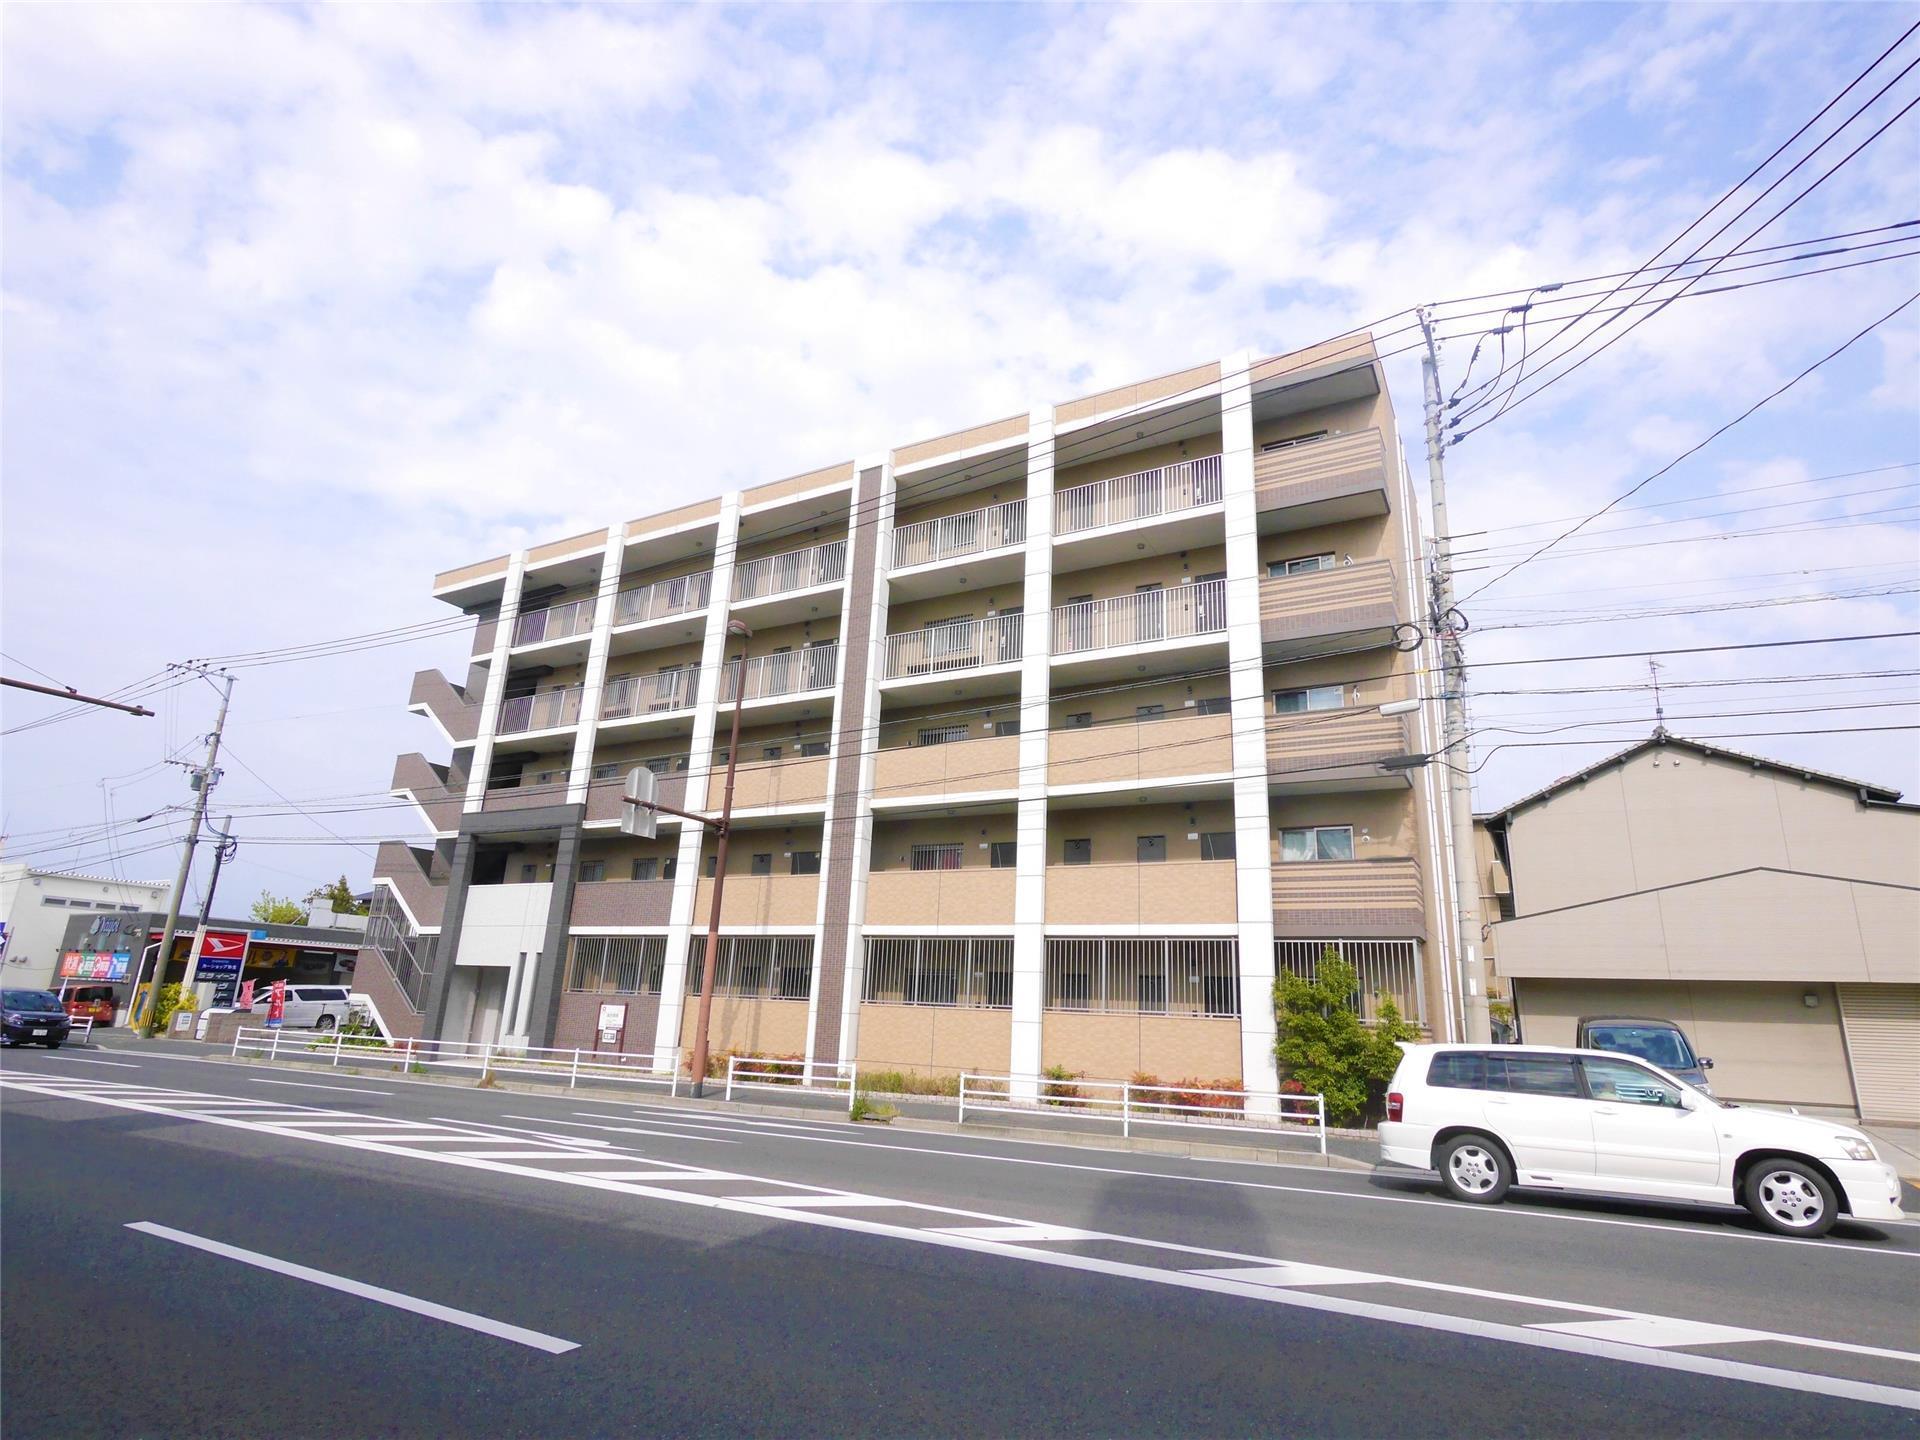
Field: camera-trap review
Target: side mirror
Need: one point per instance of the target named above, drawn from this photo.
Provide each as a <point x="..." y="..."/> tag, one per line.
<point x="1686" y="1100"/>
<point x="1705" y="1064"/>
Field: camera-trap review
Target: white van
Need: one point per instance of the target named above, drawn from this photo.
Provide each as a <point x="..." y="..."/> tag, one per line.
<point x="1487" y="1119"/>
<point x="308" y="1007"/>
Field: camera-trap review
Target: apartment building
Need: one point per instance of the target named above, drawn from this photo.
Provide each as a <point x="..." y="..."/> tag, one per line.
<point x="1059" y="735"/>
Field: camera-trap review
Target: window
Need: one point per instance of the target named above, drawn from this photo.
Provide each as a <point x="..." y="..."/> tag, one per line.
<point x="1656" y="1044"/>
<point x="592" y="870"/>
<point x="1463" y="1070"/>
<point x="944" y="856"/>
<point x="772" y="752"/>
<point x="1077" y="852"/>
<point x="1304" y="565"/>
<point x="775" y="967"/>
<point x="720" y="756"/>
<point x="648" y="869"/>
<point x="1323" y="842"/>
<point x="711" y="861"/>
<point x="606" y="772"/>
<point x="1003" y="854"/>
<point x="1217" y="845"/>
<point x="962" y="971"/>
<point x="1005" y="727"/>
<point x="528" y="873"/>
<point x="1214" y="705"/>
<point x="1079" y="720"/>
<point x="943" y="734"/>
<point x="761" y="864"/>
<point x="813" y="747"/>
<point x="617" y="964"/>
<point x="660" y="764"/>
<point x="1149" y="712"/>
<point x="51" y="900"/>
<point x="1160" y="976"/>
<point x="1315" y="697"/>
<point x="670" y="867"/>
<point x="806" y="862"/>
<point x="1150" y="849"/>
<point x="1627" y="1083"/>
<point x="1541" y="1075"/>
<point x="1291" y="441"/>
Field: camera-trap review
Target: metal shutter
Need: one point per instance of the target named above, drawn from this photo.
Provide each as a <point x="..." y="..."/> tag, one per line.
<point x="1883" y="1046"/>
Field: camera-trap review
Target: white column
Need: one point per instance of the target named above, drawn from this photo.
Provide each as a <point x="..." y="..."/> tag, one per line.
<point x="595" y="679"/>
<point x="516" y="986"/>
<point x="496" y="680"/>
<point x="1253" y="864"/>
<point x="522" y="1010"/>
<point x="681" y="920"/>
<point x="1030" y="826"/>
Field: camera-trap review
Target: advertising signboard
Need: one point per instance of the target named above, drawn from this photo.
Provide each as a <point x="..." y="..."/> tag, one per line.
<point x="277" y="1003"/>
<point x="613" y="1019"/>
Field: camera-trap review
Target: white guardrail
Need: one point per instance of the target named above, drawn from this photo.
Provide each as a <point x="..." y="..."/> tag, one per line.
<point x="80" y="1027"/>
<point x="747" y="1073"/>
<point x="1192" y="1106"/>
<point x="576" y="1065"/>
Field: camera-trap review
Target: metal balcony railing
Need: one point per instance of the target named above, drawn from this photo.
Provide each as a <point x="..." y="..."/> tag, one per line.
<point x="544" y="711"/>
<point x="556" y="622"/>
<point x="1149" y="615"/>
<point x="663" y="598"/>
<point x="792" y="672"/>
<point x="1165" y="491"/>
<point x="959" y="645"/>
<point x="950" y="536"/>
<point x="633" y="695"/>
<point x="795" y="570"/>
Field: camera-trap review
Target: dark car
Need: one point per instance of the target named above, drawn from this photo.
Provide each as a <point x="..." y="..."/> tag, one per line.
<point x="32" y="1017"/>
<point x="1658" y="1042"/>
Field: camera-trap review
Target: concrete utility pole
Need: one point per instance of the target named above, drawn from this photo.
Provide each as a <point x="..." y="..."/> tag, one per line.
<point x="221" y="854"/>
<point x="1448" y="626"/>
<point x="207" y="776"/>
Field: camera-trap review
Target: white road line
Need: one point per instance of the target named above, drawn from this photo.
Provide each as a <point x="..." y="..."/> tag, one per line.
<point x="310" y="1085"/>
<point x="464" y="1318"/>
<point x="1020" y="1234"/>
<point x="1300" y="1298"/>
<point x="1295" y="1272"/>
<point x="832" y="1202"/>
<point x="590" y="1157"/>
<point x="578" y="1142"/>
<point x="117" y="1064"/>
<point x="637" y="1130"/>
<point x="1658" y="1331"/>
<point x="694" y="1174"/>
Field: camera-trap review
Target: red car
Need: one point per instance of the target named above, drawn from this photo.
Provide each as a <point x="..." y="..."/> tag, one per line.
<point x="91" y="1001"/>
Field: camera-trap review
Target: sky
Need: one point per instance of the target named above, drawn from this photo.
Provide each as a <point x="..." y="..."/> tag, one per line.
<point x="302" y="305"/>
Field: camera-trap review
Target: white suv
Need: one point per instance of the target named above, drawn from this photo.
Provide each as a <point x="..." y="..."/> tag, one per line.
<point x="1488" y="1119"/>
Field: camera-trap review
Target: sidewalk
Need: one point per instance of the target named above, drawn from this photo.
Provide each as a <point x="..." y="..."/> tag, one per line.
<point x="1899" y="1146"/>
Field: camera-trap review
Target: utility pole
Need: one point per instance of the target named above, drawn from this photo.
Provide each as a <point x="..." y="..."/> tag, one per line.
<point x="74" y="695"/>
<point x="205" y="778"/>
<point x="222" y="853"/>
<point x="1448" y="626"/>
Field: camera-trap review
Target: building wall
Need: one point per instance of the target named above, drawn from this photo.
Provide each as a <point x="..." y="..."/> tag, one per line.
<point x="935" y="1039"/>
<point x="36" y="924"/>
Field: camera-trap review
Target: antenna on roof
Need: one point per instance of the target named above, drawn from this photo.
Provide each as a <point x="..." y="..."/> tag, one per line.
<point x="1659" y="711"/>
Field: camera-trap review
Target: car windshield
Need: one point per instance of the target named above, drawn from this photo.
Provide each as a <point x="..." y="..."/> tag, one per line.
<point x="28" y="1000"/>
<point x="1656" y="1044"/>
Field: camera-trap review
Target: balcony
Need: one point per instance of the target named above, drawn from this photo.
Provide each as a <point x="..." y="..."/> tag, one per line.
<point x="548" y="627"/>
<point x="1126" y="629"/>
<point x="1361" y="899"/>
<point x="644" y="616"/>
<point x="760" y="585"/>
<point x="606" y="799"/>
<point x="907" y="772"/>
<point x="447" y="705"/>
<point x="532" y="791"/>
<point x="995" y="535"/>
<point x="1100" y="521"/>
<point x="795" y="781"/>
<point x="1353" y="606"/>
<point x="1128" y="752"/>
<point x="426" y="784"/>
<point x="1335" y="750"/>
<point x="638" y="697"/>
<point x="546" y="710"/>
<point x="972" y="896"/>
<point x="791" y="672"/>
<point x="1321" y="481"/>
<point x="1193" y="892"/>
<point x="622" y="902"/>
<point x="937" y="652"/>
<point x="762" y="900"/>
<point x="406" y="870"/>
<point x="483" y="638"/>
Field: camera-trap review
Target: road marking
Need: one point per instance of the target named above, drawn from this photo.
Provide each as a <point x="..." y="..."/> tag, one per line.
<point x="1297" y="1297"/>
<point x="578" y="1142"/>
<point x="1295" y="1272"/>
<point x="1658" y="1331"/>
<point x="464" y="1318"/>
<point x="117" y="1064"/>
<point x="817" y="1201"/>
<point x="691" y="1174"/>
<point x="586" y="1155"/>
<point x="310" y="1085"/>
<point x="1019" y="1234"/>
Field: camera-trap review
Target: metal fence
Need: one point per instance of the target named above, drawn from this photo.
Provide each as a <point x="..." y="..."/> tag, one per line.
<point x="963" y="971"/>
<point x="1175" y="613"/>
<point x="408" y="955"/>
<point x="544" y="711"/>
<point x="1384" y="967"/>
<point x="1140" y="496"/>
<point x="617" y="964"/>
<point x="795" y="570"/>
<point x="80" y="1027"/>
<point x="1197" y="976"/>
<point x="482" y="1058"/>
<point x="1128" y="1105"/>
<point x="950" y="536"/>
<point x="663" y="598"/>
<point x="791" y="672"/>
<point x="632" y="695"/>
<point x="956" y="645"/>
<point x="745" y="1072"/>
<point x="556" y="622"/>
<point x="763" y="967"/>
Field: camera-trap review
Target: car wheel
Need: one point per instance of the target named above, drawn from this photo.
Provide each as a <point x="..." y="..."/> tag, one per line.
<point x="1790" y="1198"/>
<point x="325" y="1022"/>
<point x="1475" y="1169"/>
<point x="51" y="1044"/>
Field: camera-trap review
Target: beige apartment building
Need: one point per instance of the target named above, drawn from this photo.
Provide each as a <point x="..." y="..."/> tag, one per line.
<point x="1772" y="911"/>
<point x="1059" y="735"/>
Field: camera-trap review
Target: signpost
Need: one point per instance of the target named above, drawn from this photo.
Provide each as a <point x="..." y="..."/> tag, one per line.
<point x="613" y="1020"/>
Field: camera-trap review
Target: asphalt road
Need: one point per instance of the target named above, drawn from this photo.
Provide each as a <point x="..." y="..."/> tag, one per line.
<point x="640" y="1266"/>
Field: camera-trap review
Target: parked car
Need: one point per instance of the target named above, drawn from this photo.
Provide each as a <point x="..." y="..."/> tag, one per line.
<point x="93" y="1002"/>
<point x="1658" y="1042"/>
<point x="32" y="1017"/>
<point x="308" y="1007"/>
<point x="1591" y="1120"/>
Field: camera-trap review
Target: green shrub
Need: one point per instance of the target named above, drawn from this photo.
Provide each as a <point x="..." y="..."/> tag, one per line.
<point x="901" y="1082"/>
<point x="1191" y="1093"/>
<point x="1323" y="1045"/>
<point x="1067" y="1096"/>
<point x="170" y="999"/>
<point x="863" y="1108"/>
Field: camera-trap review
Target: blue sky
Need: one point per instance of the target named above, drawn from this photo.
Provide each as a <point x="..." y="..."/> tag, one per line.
<point x="304" y="305"/>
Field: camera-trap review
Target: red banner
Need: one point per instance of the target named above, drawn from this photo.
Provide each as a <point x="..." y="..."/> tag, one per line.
<point x="277" y="1003"/>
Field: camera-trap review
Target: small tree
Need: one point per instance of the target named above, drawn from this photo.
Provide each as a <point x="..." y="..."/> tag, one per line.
<point x="1322" y="1042"/>
<point x="339" y="895"/>
<point x="271" y="909"/>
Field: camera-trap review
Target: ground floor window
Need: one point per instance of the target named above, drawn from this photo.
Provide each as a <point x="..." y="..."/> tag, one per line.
<point x="1155" y="976"/>
<point x="763" y="967"/>
<point x="966" y="971"/>
<point x="1384" y="967"/>
<point x="617" y="964"/>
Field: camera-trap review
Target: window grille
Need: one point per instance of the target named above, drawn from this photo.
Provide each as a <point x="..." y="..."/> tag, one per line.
<point x="1197" y="976"/>
<point x="617" y="964"/>
<point x="966" y="972"/>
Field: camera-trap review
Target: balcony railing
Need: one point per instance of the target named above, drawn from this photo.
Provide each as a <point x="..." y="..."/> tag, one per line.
<point x="792" y="672"/>
<point x="960" y="645"/>
<point x="633" y="695"/>
<point x="663" y="598"/>
<point x="1314" y="469"/>
<point x="556" y="622"/>
<point x="952" y="536"/>
<point x="1359" y="899"/>
<point x="1166" y="491"/>
<point x="545" y="711"/>
<point x="1178" y="613"/>
<point x="795" y="570"/>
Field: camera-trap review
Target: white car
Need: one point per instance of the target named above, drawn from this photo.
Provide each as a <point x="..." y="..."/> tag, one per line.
<point x="1487" y="1119"/>
<point x="308" y="1007"/>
